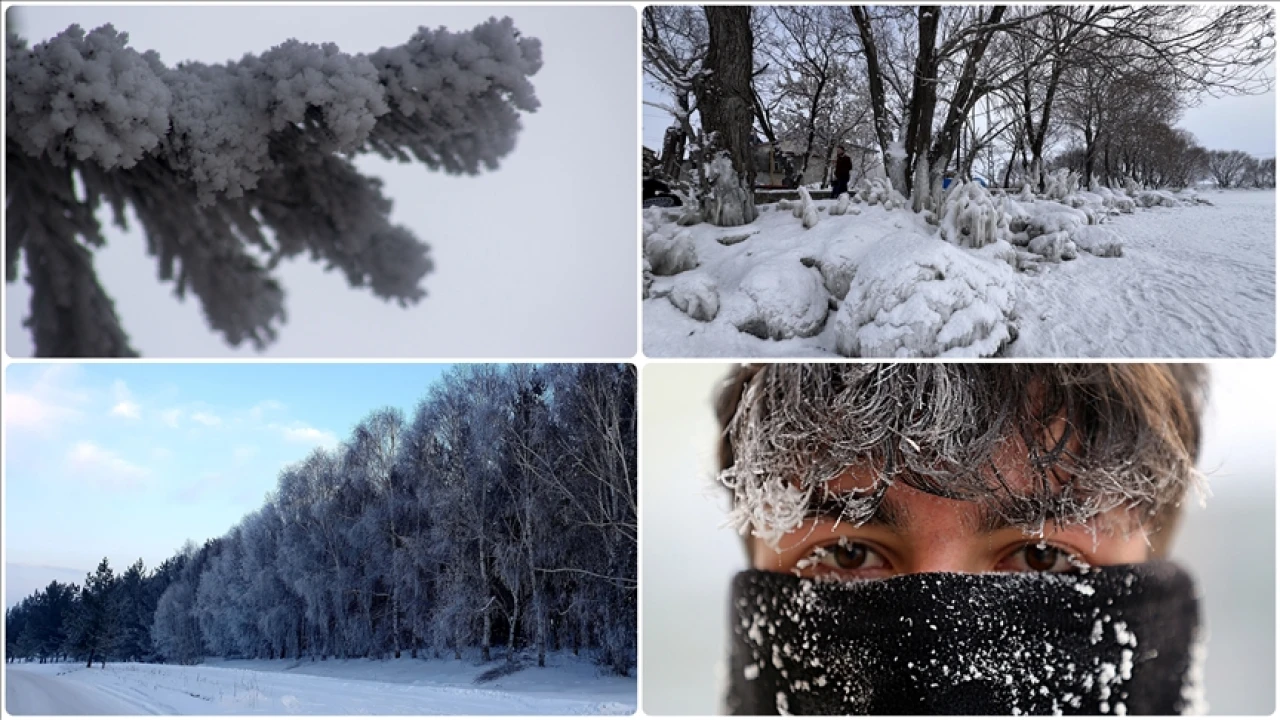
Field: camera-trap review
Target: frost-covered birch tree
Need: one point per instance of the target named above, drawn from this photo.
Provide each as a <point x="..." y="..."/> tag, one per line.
<point x="231" y="168"/>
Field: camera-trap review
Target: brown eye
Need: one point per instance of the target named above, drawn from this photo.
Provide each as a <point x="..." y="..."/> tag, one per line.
<point x="1042" y="558"/>
<point x="849" y="558"/>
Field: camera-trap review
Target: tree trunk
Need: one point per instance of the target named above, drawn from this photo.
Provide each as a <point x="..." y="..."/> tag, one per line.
<point x="727" y="108"/>
<point x="924" y="97"/>
<point x="875" y="84"/>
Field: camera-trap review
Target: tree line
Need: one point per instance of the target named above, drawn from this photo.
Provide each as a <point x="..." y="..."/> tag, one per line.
<point x="927" y="91"/>
<point x="499" y="519"/>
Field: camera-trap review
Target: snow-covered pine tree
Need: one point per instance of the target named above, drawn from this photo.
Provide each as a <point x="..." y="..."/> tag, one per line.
<point x="95" y="627"/>
<point x="230" y="168"/>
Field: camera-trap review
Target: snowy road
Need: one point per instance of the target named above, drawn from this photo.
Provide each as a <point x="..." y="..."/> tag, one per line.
<point x="34" y="693"/>
<point x="141" y="689"/>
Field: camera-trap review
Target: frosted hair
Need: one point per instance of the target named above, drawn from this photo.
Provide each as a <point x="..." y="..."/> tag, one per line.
<point x="1132" y="434"/>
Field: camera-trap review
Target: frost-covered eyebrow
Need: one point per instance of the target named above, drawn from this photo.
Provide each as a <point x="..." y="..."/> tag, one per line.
<point x="979" y="518"/>
<point x="889" y="513"/>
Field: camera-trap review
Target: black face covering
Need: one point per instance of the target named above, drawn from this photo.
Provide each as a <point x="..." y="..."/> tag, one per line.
<point x="1112" y="640"/>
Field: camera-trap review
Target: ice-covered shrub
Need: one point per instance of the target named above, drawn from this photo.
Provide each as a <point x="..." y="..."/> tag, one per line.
<point x="807" y="211"/>
<point x="1053" y="247"/>
<point x="915" y="297"/>
<point x="879" y="191"/>
<point x="696" y="295"/>
<point x="780" y="299"/>
<point x="1154" y="198"/>
<point x="970" y="217"/>
<point x="1026" y="195"/>
<point x="1061" y="183"/>
<point x="843" y="206"/>
<point x="1116" y="200"/>
<point x="670" y="254"/>
<point x="1098" y="240"/>
<point x="647" y="278"/>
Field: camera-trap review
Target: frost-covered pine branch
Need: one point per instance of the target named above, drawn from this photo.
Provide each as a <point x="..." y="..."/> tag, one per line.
<point x="231" y="168"/>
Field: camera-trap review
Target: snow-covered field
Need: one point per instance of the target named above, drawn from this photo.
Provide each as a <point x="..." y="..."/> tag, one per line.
<point x="1192" y="280"/>
<point x="280" y="687"/>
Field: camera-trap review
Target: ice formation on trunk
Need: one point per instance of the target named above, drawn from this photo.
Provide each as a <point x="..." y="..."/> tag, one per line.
<point x="971" y="217"/>
<point x="921" y="200"/>
<point x="779" y="300"/>
<point x="696" y="295"/>
<point x="257" y="152"/>
<point x="915" y="297"/>
<point x="730" y="204"/>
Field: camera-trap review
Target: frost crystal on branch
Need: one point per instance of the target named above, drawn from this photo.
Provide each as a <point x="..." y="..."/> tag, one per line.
<point x="214" y="159"/>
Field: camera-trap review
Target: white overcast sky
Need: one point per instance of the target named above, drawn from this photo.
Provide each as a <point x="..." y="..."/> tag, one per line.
<point x="537" y="259"/>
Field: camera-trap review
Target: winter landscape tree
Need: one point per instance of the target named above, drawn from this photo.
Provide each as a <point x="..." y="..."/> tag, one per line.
<point x="497" y="522"/>
<point x="231" y="168"/>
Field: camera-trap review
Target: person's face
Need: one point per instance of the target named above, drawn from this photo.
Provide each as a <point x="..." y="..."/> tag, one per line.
<point x="839" y="151"/>
<point x="915" y="532"/>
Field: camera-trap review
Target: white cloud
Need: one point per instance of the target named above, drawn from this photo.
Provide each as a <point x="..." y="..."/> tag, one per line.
<point x="257" y="411"/>
<point x="206" y="419"/>
<point x="125" y="407"/>
<point x="51" y="400"/>
<point x="171" y="417"/>
<point x="302" y="433"/>
<point x="100" y="466"/>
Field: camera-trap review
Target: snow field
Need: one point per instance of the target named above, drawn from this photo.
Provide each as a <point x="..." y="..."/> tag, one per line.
<point x="1098" y="274"/>
<point x="354" y="687"/>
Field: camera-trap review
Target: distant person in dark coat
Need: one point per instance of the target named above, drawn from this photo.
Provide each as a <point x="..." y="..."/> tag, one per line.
<point x="844" y="168"/>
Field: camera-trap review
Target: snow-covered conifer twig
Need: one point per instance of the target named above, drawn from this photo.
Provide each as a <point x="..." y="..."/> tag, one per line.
<point x="230" y="168"/>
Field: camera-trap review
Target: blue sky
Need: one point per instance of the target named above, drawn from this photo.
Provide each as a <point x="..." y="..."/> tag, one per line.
<point x="131" y="460"/>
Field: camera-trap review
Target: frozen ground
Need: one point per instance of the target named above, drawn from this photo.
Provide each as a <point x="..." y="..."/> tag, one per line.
<point x="1193" y="281"/>
<point x="279" y="687"/>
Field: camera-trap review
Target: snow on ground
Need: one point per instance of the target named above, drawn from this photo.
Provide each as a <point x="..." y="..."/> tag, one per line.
<point x="334" y="687"/>
<point x="1192" y="280"/>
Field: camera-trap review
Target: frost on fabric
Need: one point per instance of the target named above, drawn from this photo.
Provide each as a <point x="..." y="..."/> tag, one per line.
<point x="985" y="644"/>
<point x="916" y="297"/>
<point x="696" y="295"/>
<point x="214" y="158"/>
<point x="780" y="299"/>
<point x="668" y="253"/>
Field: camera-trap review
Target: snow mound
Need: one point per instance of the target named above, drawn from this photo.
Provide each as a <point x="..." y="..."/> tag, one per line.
<point x="914" y="296"/>
<point x="1116" y="200"/>
<point x="837" y="265"/>
<point x="1154" y="198"/>
<point x="779" y="300"/>
<point x="971" y="217"/>
<point x="1099" y="241"/>
<point x="696" y="295"/>
<point x="879" y="191"/>
<point x="669" y="254"/>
